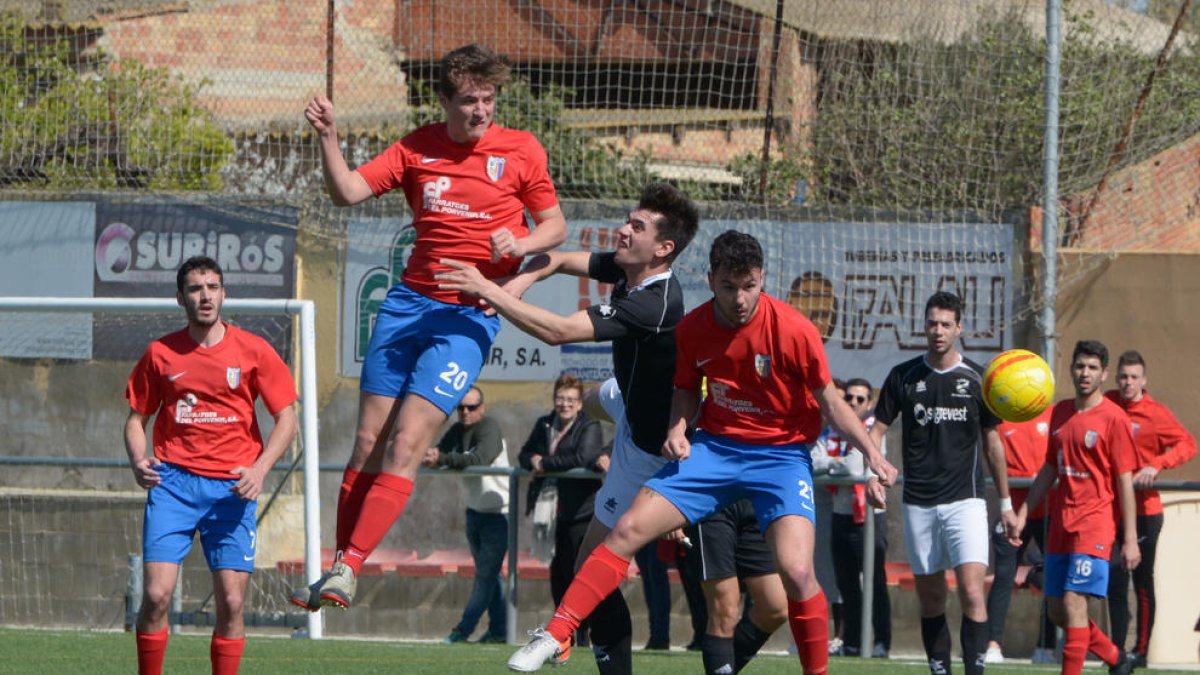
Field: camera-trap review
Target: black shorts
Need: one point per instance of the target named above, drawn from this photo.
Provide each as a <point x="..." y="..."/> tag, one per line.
<point x="729" y="544"/>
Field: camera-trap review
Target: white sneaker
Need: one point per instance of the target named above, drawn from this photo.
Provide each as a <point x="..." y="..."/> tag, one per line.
<point x="1042" y="656"/>
<point x="994" y="655"/>
<point x="541" y="648"/>
<point x="835" y="647"/>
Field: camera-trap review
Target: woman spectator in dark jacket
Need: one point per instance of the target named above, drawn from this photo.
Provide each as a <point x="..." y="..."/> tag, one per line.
<point x="567" y="438"/>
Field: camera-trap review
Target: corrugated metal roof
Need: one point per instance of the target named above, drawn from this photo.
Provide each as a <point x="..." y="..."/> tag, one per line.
<point x="898" y="21"/>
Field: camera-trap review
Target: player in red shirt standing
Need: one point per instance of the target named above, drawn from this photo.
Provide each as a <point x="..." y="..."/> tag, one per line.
<point x="1024" y="453"/>
<point x="468" y="182"/>
<point x="768" y="383"/>
<point x="209" y="461"/>
<point x="1091" y="454"/>
<point x="1160" y="443"/>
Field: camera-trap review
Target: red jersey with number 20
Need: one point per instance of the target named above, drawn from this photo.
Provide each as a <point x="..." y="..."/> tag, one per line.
<point x="760" y="376"/>
<point x="1090" y="449"/>
<point x="204" y="398"/>
<point x="459" y="194"/>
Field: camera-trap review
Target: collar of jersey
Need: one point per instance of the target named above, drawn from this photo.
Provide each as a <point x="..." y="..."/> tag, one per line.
<point x="649" y="280"/>
<point x="956" y="365"/>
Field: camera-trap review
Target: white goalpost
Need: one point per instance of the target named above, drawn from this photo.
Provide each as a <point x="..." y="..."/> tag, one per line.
<point x="305" y="311"/>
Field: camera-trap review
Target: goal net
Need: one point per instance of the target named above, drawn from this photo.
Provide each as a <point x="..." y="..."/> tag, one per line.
<point x="70" y="536"/>
<point x="858" y="113"/>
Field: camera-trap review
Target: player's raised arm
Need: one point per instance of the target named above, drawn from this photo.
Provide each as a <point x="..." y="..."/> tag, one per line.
<point x="345" y="186"/>
<point x="550" y="230"/>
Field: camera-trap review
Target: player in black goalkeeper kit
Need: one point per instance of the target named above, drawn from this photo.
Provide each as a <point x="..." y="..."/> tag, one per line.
<point x="945" y="422"/>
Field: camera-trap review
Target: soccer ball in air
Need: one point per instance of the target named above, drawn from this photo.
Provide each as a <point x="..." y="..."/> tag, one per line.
<point x="1018" y="385"/>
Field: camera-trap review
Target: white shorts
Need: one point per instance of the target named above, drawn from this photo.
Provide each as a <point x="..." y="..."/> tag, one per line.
<point x="945" y="536"/>
<point x="631" y="466"/>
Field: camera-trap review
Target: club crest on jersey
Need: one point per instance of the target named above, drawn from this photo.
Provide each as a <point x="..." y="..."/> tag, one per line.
<point x="1090" y="439"/>
<point x="233" y="376"/>
<point x="1043" y="428"/>
<point x="495" y="167"/>
<point x="920" y="386"/>
<point x="762" y="365"/>
<point x="961" y="385"/>
<point x="1136" y="427"/>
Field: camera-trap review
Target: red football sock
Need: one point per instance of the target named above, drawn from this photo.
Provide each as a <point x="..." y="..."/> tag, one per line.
<point x="382" y="506"/>
<point x="1100" y="645"/>
<point x="1075" y="650"/>
<point x="355" y="486"/>
<point x="809" y="620"/>
<point x="151" y="648"/>
<point x="600" y="575"/>
<point x="226" y="654"/>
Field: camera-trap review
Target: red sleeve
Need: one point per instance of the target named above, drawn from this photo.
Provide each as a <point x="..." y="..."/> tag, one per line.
<point x="537" y="190"/>
<point x="687" y="376"/>
<point x="274" y="381"/>
<point x="816" y="366"/>
<point x="143" y="389"/>
<point x="1175" y="444"/>
<point x="384" y="172"/>
<point x="1124" y="457"/>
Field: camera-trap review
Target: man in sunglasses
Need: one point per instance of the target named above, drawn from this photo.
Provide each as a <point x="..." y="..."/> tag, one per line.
<point x="476" y="440"/>
<point x="846" y="534"/>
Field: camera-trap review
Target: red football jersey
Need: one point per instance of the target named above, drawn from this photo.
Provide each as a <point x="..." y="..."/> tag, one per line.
<point x="1090" y="449"/>
<point x="1025" y="453"/>
<point x="204" y="398"/>
<point x="459" y="193"/>
<point x="1159" y="440"/>
<point x="760" y="376"/>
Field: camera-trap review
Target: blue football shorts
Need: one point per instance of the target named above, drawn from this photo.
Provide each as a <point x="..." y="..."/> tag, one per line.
<point x="185" y="503"/>
<point x="426" y="347"/>
<point x="1078" y="572"/>
<point x="777" y="479"/>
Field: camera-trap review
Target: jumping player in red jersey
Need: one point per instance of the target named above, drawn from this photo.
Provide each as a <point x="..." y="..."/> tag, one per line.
<point x="209" y="461"/>
<point x="468" y="182"/>
<point x="768" y="383"/>
<point x="1160" y="443"/>
<point x="1091" y="455"/>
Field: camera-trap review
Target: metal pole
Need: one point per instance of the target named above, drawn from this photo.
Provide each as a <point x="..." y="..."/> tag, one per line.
<point x="770" y="119"/>
<point x="312" y="455"/>
<point x="330" y="26"/>
<point x="868" y="584"/>
<point x="514" y="517"/>
<point x="1050" y="183"/>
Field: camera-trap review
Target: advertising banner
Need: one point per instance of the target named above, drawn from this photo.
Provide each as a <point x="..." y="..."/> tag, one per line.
<point x="863" y="284"/>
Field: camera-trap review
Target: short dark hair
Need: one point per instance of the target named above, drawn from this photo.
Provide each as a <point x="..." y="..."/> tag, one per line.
<point x="197" y="262"/>
<point x="859" y="382"/>
<point x="735" y="252"/>
<point x="838" y="383"/>
<point x="680" y="219"/>
<point x="1131" y="357"/>
<point x="945" y="300"/>
<point x="1094" y="348"/>
<point x="472" y="63"/>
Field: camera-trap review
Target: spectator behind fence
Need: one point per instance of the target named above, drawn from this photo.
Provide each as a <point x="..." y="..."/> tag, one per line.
<point x="1160" y="443"/>
<point x="823" y="503"/>
<point x="209" y="461"/>
<point x="476" y="440"/>
<point x="847" y="531"/>
<point x="567" y="438"/>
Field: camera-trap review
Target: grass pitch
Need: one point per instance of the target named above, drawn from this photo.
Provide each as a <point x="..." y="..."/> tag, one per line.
<point x="47" y="652"/>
